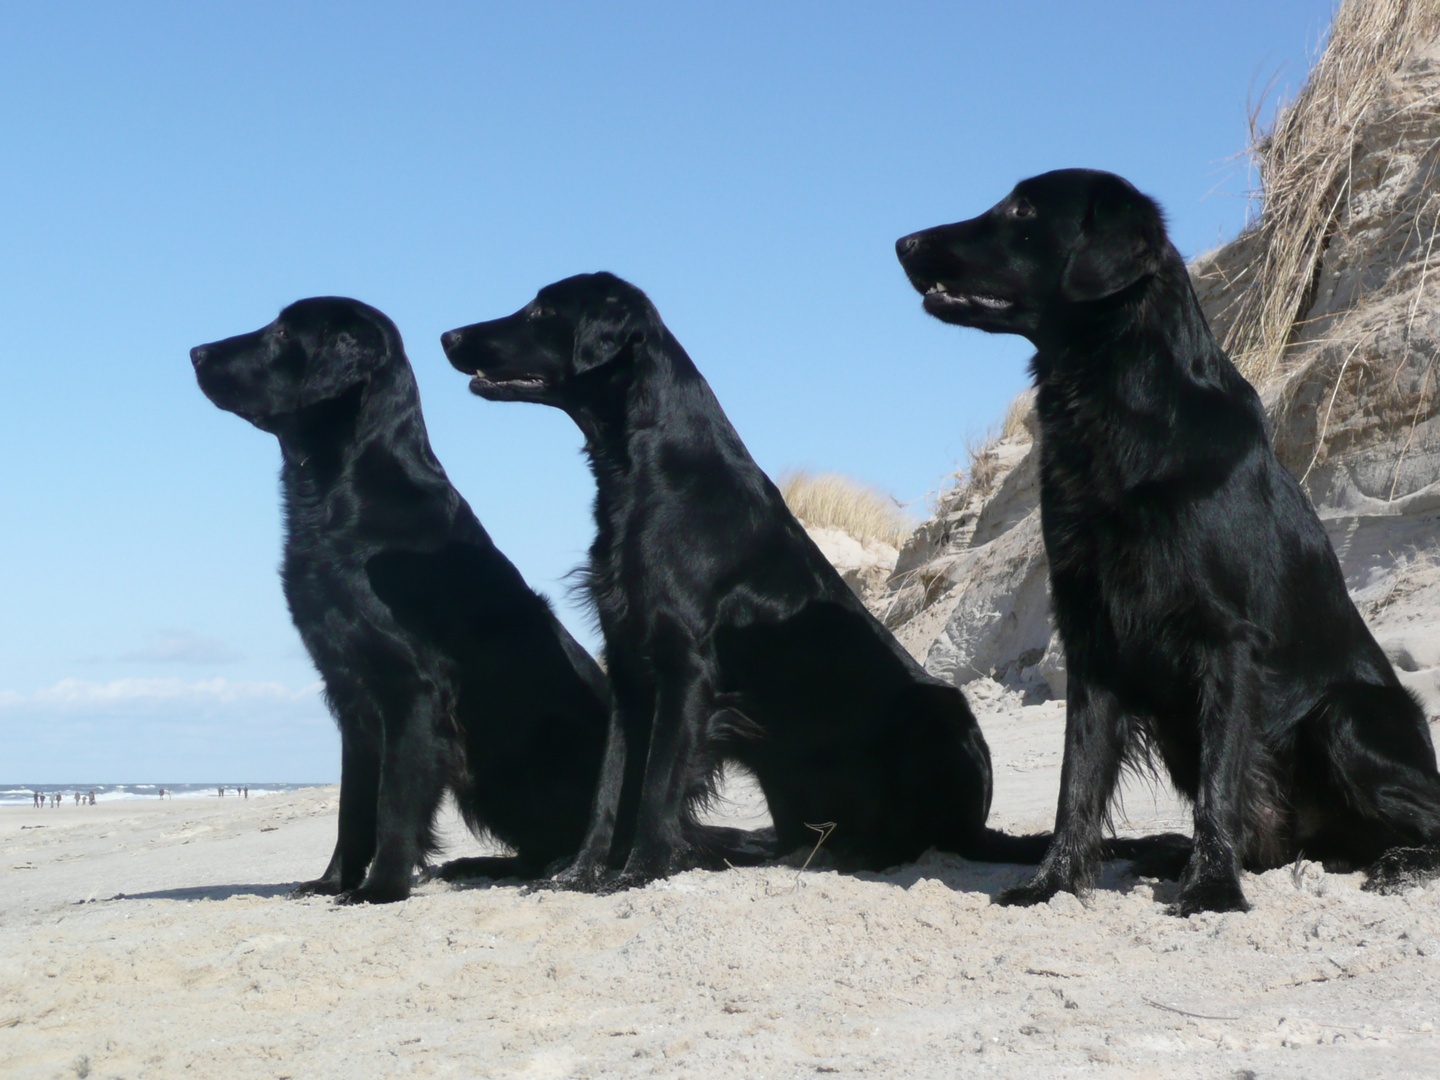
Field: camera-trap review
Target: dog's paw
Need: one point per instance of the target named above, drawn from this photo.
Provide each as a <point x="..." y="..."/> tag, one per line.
<point x="318" y="887"/>
<point x="580" y="878"/>
<point x="643" y="867"/>
<point x="1214" y="894"/>
<point x="1400" y="869"/>
<point x="622" y="882"/>
<point x="1035" y="891"/>
<point x="374" y="892"/>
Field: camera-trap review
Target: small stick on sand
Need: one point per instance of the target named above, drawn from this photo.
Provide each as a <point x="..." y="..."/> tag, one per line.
<point x="825" y="828"/>
<point x="1182" y="1012"/>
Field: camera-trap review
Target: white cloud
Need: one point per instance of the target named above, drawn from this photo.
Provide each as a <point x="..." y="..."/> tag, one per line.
<point x="80" y="695"/>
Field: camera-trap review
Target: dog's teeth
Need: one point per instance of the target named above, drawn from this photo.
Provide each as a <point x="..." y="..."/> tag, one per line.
<point x="479" y="374"/>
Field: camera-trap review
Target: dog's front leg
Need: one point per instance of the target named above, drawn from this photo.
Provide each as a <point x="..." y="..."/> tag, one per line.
<point x="1094" y="749"/>
<point x="412" y="772"/>
<point x="587" y="872"/>
<point x="359" y="788"/>
<point x="684" y="702"/>
<point x="1230" y="696"/>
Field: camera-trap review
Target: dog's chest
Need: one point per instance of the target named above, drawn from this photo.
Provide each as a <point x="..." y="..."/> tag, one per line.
<point x="351" y="635"/>
<point x="1083" y="505"/>
<point x="1100" y="537"/>
<point x="650" y="557"/>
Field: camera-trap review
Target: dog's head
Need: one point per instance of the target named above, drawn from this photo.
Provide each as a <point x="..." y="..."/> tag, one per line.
<point x="1061" y="239"/>
<point x="316" y="351"/>
<point x="582" y="329"/>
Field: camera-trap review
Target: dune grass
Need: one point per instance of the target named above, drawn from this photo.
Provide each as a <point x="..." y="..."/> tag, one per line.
<point x="1305" y="162"/>
<point x="832" y="501"/>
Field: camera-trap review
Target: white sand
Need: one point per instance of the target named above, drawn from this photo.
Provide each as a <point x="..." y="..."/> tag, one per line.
<point x="205" y="969"/>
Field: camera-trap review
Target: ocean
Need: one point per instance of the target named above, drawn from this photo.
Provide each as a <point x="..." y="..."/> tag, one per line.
<point x="23" y="794"/>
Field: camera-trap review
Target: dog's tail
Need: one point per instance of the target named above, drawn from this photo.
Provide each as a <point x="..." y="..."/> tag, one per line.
<point x="723" y="846"/>
<point x="992" y="845"/>
<point x="1369" y="747"/>
<point x="1372" y="744"/>
<point x="1162" y="855"/>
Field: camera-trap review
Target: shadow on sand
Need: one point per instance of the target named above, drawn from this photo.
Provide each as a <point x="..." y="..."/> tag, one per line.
<point x="204" y="892"/>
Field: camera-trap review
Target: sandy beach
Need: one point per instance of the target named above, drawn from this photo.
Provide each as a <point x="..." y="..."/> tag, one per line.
<point x="143" y="939"/>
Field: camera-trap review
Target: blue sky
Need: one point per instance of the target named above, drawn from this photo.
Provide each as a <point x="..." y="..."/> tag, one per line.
<point x="176" y="173"/>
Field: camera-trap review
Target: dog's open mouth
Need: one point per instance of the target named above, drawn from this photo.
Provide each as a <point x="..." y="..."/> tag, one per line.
<point x="481" y="383"/>
<point x="939" y="296"/>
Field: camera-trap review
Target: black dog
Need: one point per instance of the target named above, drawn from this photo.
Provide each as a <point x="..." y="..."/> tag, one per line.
<point x="1203" y="612"/>
<point x="443" y="670"/>
<point x="727" y="633"/>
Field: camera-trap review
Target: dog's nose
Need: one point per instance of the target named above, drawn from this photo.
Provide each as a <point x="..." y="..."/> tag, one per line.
<point x="197" y="355"/>
<point x="449" y="339"/>
<point x="907" y="244"/>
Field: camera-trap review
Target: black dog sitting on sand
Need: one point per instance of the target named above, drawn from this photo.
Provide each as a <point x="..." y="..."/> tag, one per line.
<point x="727" y="633"/>
<point x="1203" y="612"/>
<point x="444" y="671"/>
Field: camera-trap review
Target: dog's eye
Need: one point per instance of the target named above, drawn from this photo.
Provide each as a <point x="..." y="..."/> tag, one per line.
<point x="1022" y="208"/>
<point x="538" y="312"/>
<point x="280" y="334"/>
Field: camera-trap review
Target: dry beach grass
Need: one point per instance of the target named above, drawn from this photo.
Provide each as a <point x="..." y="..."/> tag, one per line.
<point x="832" y="501"/>
<point x="1305" y="164"/>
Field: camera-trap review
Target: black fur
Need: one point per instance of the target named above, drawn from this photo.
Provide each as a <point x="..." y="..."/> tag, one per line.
<point x="442" y="668"/>
<point x="1203" y="611"/>
<point x="727" y="633"/>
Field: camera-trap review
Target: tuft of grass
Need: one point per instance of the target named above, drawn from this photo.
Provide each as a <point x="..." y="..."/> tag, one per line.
<point x="832" y="501"/>
<point x="1017" y="414"/>
<point x="1305" y="162"/>
<point x="983" y="471"/>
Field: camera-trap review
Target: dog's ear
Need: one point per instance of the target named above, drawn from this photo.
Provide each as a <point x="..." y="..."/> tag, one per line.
<point x="1122" y="240"/>
<point x="604" y="336"/>
<point x="364" y="341"/>
<point x="354" y="342"/>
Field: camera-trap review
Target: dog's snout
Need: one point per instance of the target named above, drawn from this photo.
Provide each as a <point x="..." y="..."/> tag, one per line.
<point x="907" y="245"/>
<point x="450" y="339"/>
<point x="198" y="354"/>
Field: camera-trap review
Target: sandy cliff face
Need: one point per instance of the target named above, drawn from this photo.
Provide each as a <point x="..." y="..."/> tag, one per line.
<point x="1355" y="413"/>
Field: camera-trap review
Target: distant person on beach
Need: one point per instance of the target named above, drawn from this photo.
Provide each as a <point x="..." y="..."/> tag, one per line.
<point x="92" y="796"/>
<point x="37" y="800"/>
<point x="247" y="791"/>
<point x="222" y="792"/>
<point x="162" y="793"/>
